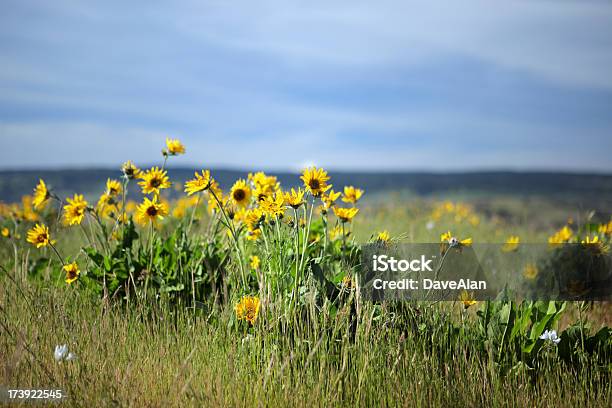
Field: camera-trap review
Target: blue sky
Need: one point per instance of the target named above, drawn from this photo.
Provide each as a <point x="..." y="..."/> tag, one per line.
<point x="385" y="85"/>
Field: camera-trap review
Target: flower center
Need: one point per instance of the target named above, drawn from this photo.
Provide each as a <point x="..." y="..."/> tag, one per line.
<point x="151" y="211"/>
<point x="239" y="195"/>
<point x="314" y="184"/>
<point x="155" y="182"/>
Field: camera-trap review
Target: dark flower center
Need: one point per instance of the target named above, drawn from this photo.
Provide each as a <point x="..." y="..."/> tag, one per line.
<point x="152" y="211"/>
<point x="314" y="184"/>
<point x="239" y="195"/>
<point x="155" y="182"/>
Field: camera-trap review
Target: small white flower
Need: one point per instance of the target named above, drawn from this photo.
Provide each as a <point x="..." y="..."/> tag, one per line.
<point x="430" y="225"/>
<point x="550" y="335"/>
<point x="60" y="352"/>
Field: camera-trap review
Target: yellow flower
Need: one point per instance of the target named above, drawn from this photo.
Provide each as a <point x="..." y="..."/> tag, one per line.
<point x="383" y="236"/>
<point x="561" y="236"/>
<point x="530" y="271"/>
<point x="448" y="238"/>
<point x="347" y="282"/>
<point x="39" y="236"/>
<point x="264" y="185"/>
<point x="151" y="211"/>
<point x="41" y="195"/>
<point x="241" y="193"/>
<point x="511" y="244"/>
<point x="467" y="298"/>
<point x="255" y="262"/>
<point x="352" y="194"/>
<point x="106" y="205"/>
<point x="329" y="198"/>
<point x="605" y="228"/>
<point x="315" y="180"/>
<point x="595" y="245"/>
<point x="199" y="183"/>
<point x="335" y="232"/>
<point x="252" y="219"/>
<point x="273" y="206"/>
<point x="72" y="272"/>
<point x="6" y="233"/>
<point x="74" y="211"/>
<point x="345" y="214"/>
<point x="248" y="309"/>
<point x="294" y="198"/>
<point x="113" y="187"/>
<point x="174" y="147"/>
<point x="154" y="180"/>
<point x="130" y="170"/>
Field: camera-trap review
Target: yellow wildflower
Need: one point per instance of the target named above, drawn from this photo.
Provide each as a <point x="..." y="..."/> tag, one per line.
<point x="74" y="211"/>
<point x="352" y="194"/>
<point x="41" y="195"/>
<point x="315" y="181"/>
<point x="72" y="272"/>
<point x="248" y="309"/>
<point x="199" y="183"/>
<point x="39" y="236"/>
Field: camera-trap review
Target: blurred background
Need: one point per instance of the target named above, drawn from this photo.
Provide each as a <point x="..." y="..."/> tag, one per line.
<point x="465" y="98"/>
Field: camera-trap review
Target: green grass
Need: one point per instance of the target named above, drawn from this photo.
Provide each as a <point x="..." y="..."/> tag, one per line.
<point x="136" y="357"/>
<point x="150" y="353"/>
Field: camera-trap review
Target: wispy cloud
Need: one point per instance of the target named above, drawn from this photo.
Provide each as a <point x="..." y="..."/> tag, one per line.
<point x="385" y="85"/>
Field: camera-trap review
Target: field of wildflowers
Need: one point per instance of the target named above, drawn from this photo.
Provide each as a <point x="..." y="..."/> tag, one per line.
<point x="248" y="296"/>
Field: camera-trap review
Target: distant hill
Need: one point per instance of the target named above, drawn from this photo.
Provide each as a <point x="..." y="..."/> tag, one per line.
<point x="592" y="190"/>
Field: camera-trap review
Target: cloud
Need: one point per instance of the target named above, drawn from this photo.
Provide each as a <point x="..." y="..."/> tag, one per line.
<point x="273" y="84"/>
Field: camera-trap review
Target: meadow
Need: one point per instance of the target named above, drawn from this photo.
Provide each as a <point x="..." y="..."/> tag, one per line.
<point x="248" y="296"/>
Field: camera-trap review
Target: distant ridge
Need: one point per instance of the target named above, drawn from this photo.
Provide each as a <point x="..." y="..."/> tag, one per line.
<point x="16" y="183"/>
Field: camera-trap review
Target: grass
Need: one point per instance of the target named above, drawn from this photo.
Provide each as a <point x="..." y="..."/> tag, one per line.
<point x="150" y="357"/>
<point x="149" y="353"/>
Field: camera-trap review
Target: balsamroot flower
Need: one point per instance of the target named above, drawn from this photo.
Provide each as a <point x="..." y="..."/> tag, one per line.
<point x="241" y="193"/>
<point x="113" y="187"/>
<point x="352" y="194"/>
<point x="248" y="309"/>
<point x="151" y="211"/>
<point x="345" y="214"/>
<point x="174" y="147"/>
<point x="74" y="211"/>
<point x="255" y="262"/>
<point x="294" y="198"/>
<point x="154" y="180"/>
<point x="329" y="198"/>
<point x="530" y="271"/>
<point x="383" y="236"/>
<point x="550" y="335"/>
<point x="72" y="272"/>
<point x="315" y="180"/>
<point x="447" y="238"/>
<point x="130" y="170"/>
<point x="273" y="206"/>
<point x="39" y="236"/>
<point x="41" y="195"/>
<point x="511" y="244"/>
<point x="561" y="236"/>
<point x="199" y="183"/>
<point x="467" y="299"/>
